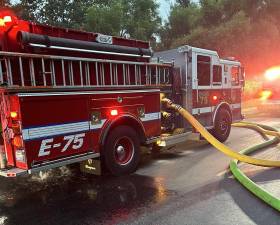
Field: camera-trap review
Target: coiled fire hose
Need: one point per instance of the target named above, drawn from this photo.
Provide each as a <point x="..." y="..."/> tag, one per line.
<point x="263" y="130"/>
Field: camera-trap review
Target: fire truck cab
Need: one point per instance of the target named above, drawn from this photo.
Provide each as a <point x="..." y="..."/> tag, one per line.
<point x="211" y="87"/>
<point x="69" y="96"/>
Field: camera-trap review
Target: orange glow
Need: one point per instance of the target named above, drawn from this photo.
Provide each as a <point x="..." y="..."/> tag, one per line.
<point x="14" y="115"/>
<point x="215" y="97"/>
<point x="17" y="141"/>
<point x="2" y="23"/>
<point x="272" y="73"/>
<point x="114" y="112"/>
<point x="266" y="95"/>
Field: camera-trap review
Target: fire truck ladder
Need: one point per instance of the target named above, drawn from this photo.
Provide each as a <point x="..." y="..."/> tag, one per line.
<point x="35" y="70"/>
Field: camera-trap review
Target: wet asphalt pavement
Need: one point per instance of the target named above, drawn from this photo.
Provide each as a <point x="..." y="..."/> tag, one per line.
<point x="188" y="185"/>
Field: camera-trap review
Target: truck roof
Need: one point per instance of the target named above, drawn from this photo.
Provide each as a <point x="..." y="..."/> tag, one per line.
<point x="12" y="31"/>
<point x="173" y="54"/>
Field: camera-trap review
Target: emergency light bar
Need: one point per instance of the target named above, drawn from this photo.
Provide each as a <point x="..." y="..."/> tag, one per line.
<point x="6" y="19"/>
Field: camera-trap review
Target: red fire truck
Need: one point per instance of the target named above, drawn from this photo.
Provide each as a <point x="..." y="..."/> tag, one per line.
<point x="69" y="97"/>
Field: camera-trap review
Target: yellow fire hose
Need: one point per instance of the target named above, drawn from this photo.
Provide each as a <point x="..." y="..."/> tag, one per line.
<point x="263" y="130"/>
<point x="220" y="146"/>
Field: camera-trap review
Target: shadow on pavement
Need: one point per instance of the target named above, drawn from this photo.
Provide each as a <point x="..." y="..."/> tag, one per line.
<point x="266" y="175"/>
<point x="253" y="207"/>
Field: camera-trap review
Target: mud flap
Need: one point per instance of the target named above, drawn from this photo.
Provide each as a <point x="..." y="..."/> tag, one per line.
<point x="91" y="166"/>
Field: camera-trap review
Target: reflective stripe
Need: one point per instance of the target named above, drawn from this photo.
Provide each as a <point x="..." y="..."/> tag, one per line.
<point x="62" y="129"/>
<point x="85" y="93"/>
<point x="215" y="87"/>
<point x="151" y="116"/>
<point x="196" y="111"/>
<point x="97" y="126"/>
<point x="201" y="110"/>
<point x="54" y="130"/>
<point x="236" y="106"/>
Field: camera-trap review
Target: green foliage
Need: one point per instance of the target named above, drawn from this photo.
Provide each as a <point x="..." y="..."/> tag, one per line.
<point x="64" y="13"/>
<point x="181" y="21"/>
<point x="5" y="3"/>
<point x="105" y="19"/>
<point x="211" y="12"/>
<point x="130" y="18"/>
<point x="183" y="3"/>
<point x="246" y="29"/>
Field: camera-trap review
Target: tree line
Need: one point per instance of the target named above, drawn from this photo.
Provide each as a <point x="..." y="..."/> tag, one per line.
<point x="246" y="29"/>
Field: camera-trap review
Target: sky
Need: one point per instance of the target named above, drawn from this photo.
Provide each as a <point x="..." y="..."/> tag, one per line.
<point x="165" y="8"/>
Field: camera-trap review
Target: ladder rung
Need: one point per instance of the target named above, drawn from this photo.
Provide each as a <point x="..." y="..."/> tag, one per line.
<point x="1" y="74"/>
<point x="53" y="73"/>
<point x="63" y="72"/>
<point x="21" y="71"/>
<point x="105" y="72"/>
<point x="81" y="73"/>
<point x="96" y="73"/>
<point x="32" y="72"/>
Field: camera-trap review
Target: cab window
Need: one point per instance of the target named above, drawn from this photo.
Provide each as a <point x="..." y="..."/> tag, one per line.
<point x="235" y="75"/>
<point x="203" y="70"/>
<point x="217" y="75"/>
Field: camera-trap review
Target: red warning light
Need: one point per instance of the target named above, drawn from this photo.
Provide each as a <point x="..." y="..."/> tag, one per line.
<point x="7" y="19"/>
<point x="215" y="97"/>
<point x="114" y="112"/>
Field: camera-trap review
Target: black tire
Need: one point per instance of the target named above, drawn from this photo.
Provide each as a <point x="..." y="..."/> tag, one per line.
<point x="121" y="152"/>
<point x="222" y="125"/>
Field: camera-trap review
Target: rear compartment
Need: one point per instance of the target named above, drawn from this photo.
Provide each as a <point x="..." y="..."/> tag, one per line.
<point x="44" y="130"/>
<point x="11" y="132"/>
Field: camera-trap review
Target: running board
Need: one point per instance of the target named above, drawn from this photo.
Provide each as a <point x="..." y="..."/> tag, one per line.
<point x="173" y="139"/>
<point x="14" y="172"/>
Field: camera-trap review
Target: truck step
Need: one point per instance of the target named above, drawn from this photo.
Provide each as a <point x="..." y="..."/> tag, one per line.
<point x="170" y="140"/>
<point x="14" y="172"/>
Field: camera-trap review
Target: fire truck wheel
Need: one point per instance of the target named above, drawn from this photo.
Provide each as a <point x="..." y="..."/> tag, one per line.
<point x="122" y="151"/>
<point x="222" y="125"/>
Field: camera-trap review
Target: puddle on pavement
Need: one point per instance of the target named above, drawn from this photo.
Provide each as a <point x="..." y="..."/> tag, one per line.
<point x="66" y="196"/>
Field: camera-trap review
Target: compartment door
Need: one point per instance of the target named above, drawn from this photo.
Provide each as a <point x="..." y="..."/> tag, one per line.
<point x="202" y="74"/>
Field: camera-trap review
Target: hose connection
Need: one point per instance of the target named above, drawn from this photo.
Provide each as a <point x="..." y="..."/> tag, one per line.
<point x="171" y="105"/>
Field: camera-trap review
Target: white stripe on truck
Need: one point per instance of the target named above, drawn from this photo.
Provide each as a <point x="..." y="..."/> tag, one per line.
<point x="61" y="129"/>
